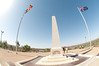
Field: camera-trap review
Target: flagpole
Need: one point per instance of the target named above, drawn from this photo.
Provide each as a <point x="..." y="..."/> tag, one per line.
<point x="28" y="9"/>
<point x="18" y="31"/>
<point x="85" y="22"/>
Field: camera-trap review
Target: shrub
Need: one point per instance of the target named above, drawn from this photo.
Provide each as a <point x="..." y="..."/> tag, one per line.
<point x="26" y="48"/>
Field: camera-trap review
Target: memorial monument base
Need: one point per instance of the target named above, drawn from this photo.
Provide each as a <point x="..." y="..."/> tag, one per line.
<point x="56" y="50"/>
<point x="57" y="59"/>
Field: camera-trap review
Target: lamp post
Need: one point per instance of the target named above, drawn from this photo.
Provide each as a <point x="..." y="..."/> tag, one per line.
<point x="17" y="42"/>
<point x="87" y="28"/>
<point x="1" y="35"/>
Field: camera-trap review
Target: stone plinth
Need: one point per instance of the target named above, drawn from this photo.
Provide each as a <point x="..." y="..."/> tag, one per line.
<point x="55" y="60"/>
<point x="56" y="50"/>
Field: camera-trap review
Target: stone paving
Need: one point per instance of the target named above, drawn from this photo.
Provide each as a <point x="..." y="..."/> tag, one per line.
<point x="32" y="63"/>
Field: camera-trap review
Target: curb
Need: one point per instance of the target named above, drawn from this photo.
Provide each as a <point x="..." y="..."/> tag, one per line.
<point x="24" y="61"/>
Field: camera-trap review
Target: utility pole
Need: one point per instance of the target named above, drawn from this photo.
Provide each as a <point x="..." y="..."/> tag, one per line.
<point x="1" y="35"/>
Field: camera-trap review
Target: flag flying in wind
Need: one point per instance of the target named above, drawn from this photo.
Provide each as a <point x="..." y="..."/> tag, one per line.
<point x="28" y="9"/>
<point x="83" y="8"/>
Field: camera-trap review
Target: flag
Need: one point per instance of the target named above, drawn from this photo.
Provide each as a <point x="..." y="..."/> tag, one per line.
<point x="28" y="9"/>
<point x="82" y="9"/>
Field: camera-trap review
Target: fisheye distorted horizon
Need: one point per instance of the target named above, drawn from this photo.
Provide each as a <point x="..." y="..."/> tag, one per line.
<point x="36" y="25"/>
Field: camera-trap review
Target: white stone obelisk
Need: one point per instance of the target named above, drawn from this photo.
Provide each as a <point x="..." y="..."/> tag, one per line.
<point x="56" y="57"/>
<point x="55" y="33"/>
<point x="56" y="49"/>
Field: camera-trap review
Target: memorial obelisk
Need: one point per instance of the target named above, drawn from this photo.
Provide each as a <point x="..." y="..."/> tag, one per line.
<point x="56" y="48"/>
<point x="56" y="57"/>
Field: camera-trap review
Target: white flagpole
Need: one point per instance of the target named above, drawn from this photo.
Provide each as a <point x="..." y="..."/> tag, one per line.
<point x="19" y="28"/>
<point x="18" y="32"/>
<point x="86" y="26"/>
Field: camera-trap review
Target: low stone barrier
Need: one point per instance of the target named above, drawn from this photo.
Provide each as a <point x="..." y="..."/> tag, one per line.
<point x="25" y="61"/>
<point x="85" y="51"/>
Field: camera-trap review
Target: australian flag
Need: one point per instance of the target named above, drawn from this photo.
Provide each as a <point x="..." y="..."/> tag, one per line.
<point x="83" y="8"/>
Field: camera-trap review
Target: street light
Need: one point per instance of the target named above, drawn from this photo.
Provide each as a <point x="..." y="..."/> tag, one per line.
<point x="1" y="35"/>
<point x="17" y="42"/>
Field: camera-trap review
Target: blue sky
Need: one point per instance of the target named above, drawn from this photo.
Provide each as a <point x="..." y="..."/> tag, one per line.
<point x="36" y="25"/>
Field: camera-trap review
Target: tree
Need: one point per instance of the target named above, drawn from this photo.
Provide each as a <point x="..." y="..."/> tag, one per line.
<point x="47" y="50"/>
<point x="10" y="47"/>
<point x="26" y="48"/>
<point x="4" y="45"/>
<point x="0" y="44"/>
